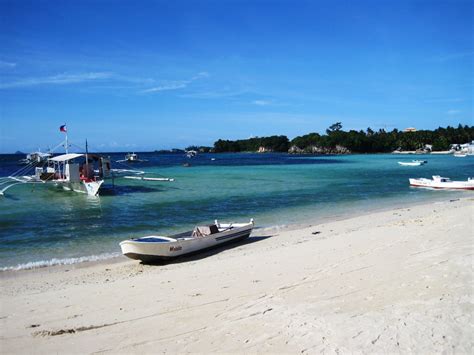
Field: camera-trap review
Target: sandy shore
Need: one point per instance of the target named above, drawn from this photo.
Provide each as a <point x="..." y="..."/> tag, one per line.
<point x="391" y="281"/>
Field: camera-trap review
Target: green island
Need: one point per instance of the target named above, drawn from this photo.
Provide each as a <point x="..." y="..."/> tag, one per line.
<point x="338" y="141"/>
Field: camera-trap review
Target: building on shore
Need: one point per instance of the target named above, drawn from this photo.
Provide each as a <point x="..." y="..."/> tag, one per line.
<point x="466" y="148"/>
<point x="263" y="149"/>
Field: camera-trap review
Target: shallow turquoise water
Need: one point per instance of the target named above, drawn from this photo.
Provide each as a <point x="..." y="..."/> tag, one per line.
<point x="39" y="224"/>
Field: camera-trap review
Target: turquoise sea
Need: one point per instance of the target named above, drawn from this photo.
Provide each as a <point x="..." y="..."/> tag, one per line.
<point x="42" y="226"/>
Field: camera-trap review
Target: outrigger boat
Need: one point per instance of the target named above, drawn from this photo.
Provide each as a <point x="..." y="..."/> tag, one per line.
<point x="161" y="248"/>
<point x="83" y="173"/>
<point x="65" y="171"/>
<point x="439" y="182"/>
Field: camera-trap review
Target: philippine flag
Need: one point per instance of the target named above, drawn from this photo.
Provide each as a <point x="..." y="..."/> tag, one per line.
<point x="63" y="128"/>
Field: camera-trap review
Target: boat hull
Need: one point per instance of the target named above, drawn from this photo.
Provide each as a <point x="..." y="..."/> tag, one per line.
<point x="150" y="259"/>
<point x="410" y="164"/>
<point x="90" y="188"/>
<point x="151" y="252"/>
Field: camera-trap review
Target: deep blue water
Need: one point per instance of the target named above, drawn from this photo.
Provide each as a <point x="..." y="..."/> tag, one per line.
<point x="39" y="224"/>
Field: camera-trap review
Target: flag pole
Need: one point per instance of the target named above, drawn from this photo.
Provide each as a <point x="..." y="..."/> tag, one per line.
<point x="87" y="162"/>
<point x="67" y="142"/>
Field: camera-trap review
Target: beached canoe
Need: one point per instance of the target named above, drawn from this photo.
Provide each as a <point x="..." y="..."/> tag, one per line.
<point x="161" y="248"/>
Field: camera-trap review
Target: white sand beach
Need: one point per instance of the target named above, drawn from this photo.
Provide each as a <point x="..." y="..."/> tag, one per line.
<point x="391" y="281"/>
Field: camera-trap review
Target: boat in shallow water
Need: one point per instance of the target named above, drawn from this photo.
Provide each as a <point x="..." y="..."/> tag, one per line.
<point x="131" y="158"/>
<point x="439" y="182"/>
<point x="412" y="163"/>
<point x="65" y="171"/>
<point x="161" y="248"/>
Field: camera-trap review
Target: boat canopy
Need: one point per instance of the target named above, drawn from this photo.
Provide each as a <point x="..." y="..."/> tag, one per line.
<point x="66" y="157"/>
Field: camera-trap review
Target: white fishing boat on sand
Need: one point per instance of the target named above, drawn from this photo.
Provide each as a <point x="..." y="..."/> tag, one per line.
<point x="439" y="182"/>
<point x="161" y="248"/>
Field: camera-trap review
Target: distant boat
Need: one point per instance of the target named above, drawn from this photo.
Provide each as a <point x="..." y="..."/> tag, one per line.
<point x="439" y="182"/>
<point x="459" y="155"/>
<point x="144" y="178"/>
<point x="186" y="165"/>
<point x="191" y="153"/>
<point x="131" y="158"/>
<point x="161" y="248"/>
<point x="412" y="163"/>
<point x="36" y="158"/>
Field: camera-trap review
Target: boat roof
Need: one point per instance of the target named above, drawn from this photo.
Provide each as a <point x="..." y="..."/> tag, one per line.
<point x="66" y="157"/>
<point x="41" y="153"/>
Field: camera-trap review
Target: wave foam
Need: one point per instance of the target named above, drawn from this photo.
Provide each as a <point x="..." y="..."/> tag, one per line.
<point x="55" y="261"/>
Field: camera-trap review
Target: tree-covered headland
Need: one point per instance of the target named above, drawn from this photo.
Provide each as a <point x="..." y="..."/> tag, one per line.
<point x="271" y="144"/>
<point x="336" y="140"/>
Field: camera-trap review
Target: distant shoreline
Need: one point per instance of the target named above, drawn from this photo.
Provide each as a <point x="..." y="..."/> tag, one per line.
<point x="337" y="141"/>
<point x="256" y="152"/>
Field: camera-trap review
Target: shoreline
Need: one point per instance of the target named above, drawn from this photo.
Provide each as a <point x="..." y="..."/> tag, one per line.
<point x="398" y="280"/>
<point x="104" y="259"/>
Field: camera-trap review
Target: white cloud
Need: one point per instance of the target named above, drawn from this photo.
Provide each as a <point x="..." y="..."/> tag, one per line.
<point x="100" y="77"/>
<point x="453" y="56"/>
<point x="60" y="79"/>
<point x="176" y="85"/>
<point x="173" y="86"/>
<point x="440" y="99"/>
<point x="200" y="75"/>
<point x="261" y="102"/>
<point x="215" y="94"/>
<point x="453" y="112"/>
<point x="4" y="64"/>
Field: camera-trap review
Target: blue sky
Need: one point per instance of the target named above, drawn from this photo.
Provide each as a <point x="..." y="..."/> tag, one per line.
<point x="149" y="75"/>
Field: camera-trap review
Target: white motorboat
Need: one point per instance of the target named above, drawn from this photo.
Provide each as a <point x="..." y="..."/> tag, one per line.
<point x="162" y="248"/>
<point x="439" y="182"/>
<point x="131" y="158"/>
<point x="191" y="153"/>
<point x="412" y="163"/>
